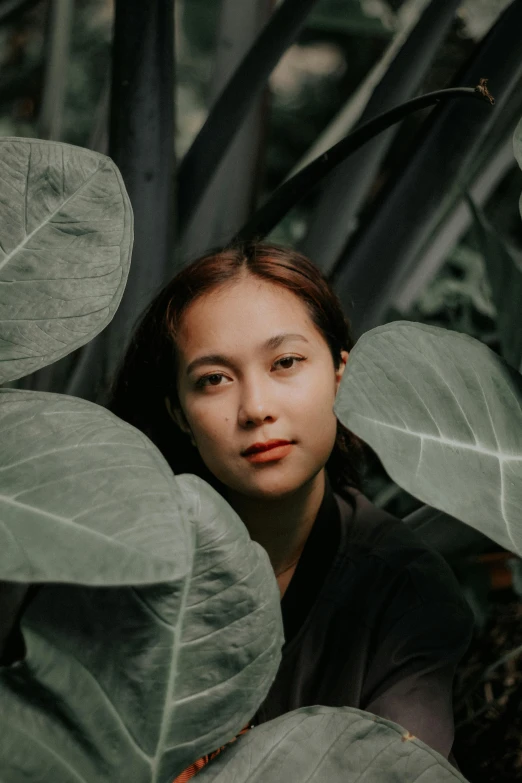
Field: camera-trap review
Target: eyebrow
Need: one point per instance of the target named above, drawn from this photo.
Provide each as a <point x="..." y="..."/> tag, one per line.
<point x="218" y="358"/>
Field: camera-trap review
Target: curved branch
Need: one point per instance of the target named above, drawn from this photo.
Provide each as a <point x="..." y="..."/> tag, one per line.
<point x="294" y="190"/>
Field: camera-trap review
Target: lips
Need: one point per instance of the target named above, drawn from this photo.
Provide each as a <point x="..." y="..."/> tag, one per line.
<point x="255" y="448"/>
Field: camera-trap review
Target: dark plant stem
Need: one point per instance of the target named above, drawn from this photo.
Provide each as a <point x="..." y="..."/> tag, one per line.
<point x="141" y="139"/>
<point x="295" y="189"/>
<point x="141" y="143"/>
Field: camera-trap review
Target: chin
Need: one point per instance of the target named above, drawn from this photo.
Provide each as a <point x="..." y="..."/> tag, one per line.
<point x="266" y="486"/>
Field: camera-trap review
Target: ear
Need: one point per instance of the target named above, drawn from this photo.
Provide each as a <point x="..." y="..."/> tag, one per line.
<point x="178" y="417"/>
<point x="340" y="370"/>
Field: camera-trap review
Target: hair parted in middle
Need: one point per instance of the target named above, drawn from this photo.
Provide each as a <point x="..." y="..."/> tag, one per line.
<point x="147" y="376"/>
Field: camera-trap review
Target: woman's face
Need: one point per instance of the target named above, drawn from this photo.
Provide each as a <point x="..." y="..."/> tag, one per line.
<point x="253" y="367"/>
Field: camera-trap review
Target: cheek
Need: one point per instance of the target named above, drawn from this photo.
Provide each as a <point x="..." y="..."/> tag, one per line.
<point x="312" y="411"/>
<point x="315" y="401"/>
<point x="208" y="423"/>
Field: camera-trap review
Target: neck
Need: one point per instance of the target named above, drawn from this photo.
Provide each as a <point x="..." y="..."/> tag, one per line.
<point x="281" y="525"/>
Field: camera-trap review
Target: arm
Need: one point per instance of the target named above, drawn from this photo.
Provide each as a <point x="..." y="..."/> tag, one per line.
<point x="410" y="677"/>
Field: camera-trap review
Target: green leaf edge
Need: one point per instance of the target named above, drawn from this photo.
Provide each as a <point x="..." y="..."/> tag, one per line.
<point x="124" y="253"/>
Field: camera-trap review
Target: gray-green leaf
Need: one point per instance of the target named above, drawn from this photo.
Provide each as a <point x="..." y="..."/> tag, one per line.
<point x="84" y="497"/>
<point x="66" y="231"/>
<point x="134" y="684"/>
<point x="318" y="744"/>
<point x="444" y="414"/>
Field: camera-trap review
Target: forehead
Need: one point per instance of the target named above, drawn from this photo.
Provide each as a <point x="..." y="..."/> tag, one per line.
<point x="243" y="313"/>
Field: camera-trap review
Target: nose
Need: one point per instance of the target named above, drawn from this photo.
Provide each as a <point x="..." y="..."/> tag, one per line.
<point x="256" y="404"/>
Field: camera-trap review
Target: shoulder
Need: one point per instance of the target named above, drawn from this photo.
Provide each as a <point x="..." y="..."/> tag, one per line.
<point x="393" y="571"/>
<point x="371" y="534"/>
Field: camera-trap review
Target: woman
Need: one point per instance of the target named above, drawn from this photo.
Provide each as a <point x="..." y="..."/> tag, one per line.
<point x="233" y="373"/>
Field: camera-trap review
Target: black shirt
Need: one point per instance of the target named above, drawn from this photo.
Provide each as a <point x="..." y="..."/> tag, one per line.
<point x="373" y="619"/>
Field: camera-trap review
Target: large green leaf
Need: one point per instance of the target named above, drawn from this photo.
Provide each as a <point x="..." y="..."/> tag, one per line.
<point x="318" y="744"/>
<point x="85" y="497"/>
<point x="65" y="244"/>
<point x="444" y="414"/>
<point x="141" y="132"/>
<point x="505" y="277"/>
<point x="134" y="684"/>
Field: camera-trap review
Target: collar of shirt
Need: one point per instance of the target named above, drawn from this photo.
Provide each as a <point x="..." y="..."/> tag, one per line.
<point x="314" y="564"/>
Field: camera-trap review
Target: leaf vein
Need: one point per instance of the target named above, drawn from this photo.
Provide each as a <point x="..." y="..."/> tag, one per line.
<point x="28" y="237"/>
<point x="51" y="752"/>
<point x="501" y="456"/>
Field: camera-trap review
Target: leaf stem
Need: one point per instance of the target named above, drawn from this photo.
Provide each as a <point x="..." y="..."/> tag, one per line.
<point x="295" y="189"/>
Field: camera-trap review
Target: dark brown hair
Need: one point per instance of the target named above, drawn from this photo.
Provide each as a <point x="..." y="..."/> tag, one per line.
<point x="149" y="368"/>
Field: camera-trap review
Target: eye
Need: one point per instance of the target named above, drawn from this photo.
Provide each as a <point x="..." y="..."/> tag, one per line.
<point x="289" y="359"/>
<point x="201" y="383"/>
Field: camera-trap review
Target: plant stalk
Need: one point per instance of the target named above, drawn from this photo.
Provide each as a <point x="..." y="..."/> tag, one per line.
<point x="295" y="189"/>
